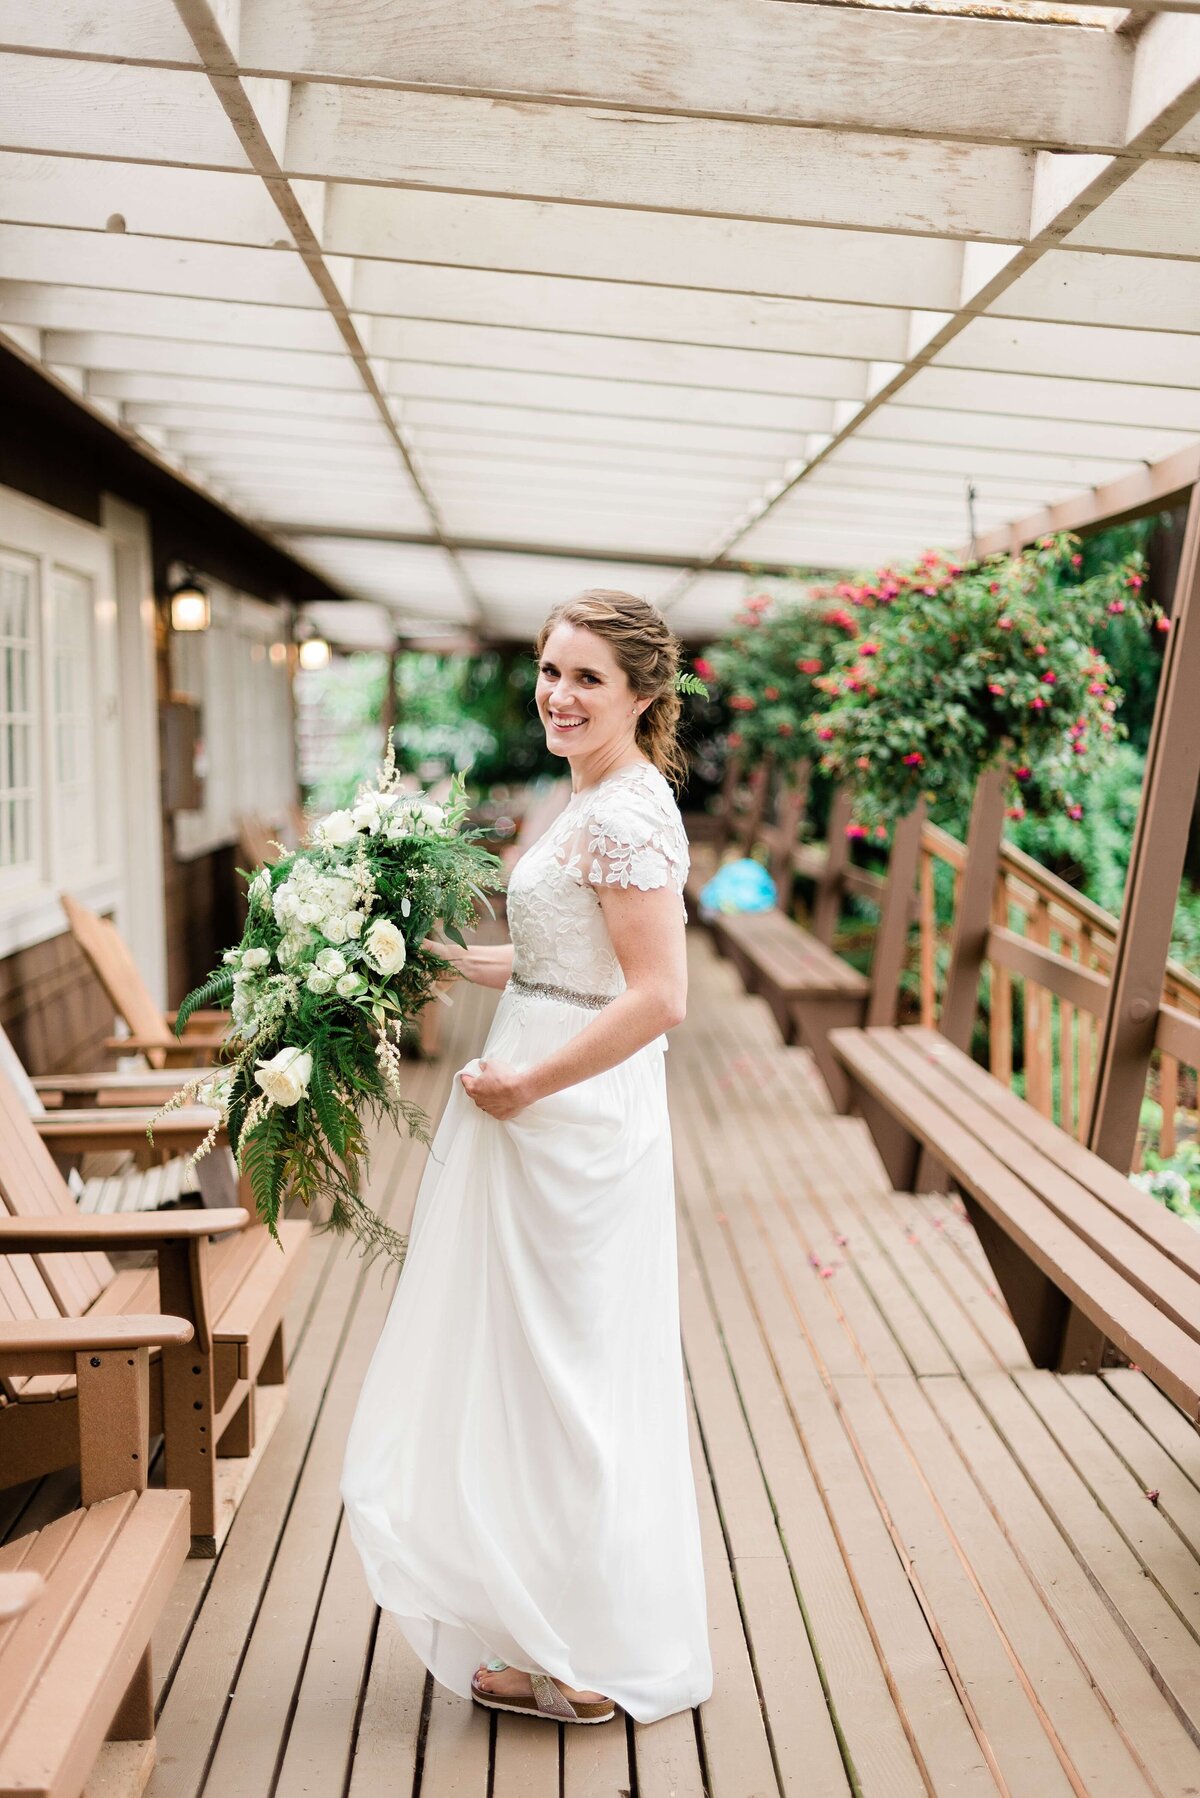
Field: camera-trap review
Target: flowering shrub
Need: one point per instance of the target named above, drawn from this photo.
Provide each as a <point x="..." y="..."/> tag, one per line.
<point x="968" y="668"/>
<point x="769" y="668"/>
<point x="329" y="969"/>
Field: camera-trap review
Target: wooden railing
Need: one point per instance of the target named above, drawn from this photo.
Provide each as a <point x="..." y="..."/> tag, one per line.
<point x="1053" y="948"/>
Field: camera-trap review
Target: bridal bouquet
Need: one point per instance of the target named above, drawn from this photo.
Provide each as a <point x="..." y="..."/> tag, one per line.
<point x="329" y="970"/>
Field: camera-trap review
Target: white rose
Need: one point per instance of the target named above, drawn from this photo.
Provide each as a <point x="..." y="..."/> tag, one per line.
<point x="259" y="890"/>
<point x="331" y="961"/>
<point x="385" y="948"/>
<point x="319" y="982"/>
<point x="255" y="958"/>
<point x="334" y="930"/>
<point x="432" y="816"/>
<point x="303" y="874"/>
<point x="371" y="808"/>
<point x="338" y="829"/>
<point x="337" y="893"/>
<point x="354" y="921"/>
<point x="285" y="1077"/>
<point x="349" y="984"/>
<point x="286" y="902"/>
<point x="309" y="912"/>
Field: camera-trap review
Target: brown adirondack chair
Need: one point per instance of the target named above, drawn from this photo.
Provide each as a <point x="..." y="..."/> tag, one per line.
<point x="151" y="1029"/>
<point x="80" y="1597"/>
<point x="54" y="1264"/>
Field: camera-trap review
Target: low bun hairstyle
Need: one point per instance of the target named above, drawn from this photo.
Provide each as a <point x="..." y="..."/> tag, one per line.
<point x="648" y="651"/>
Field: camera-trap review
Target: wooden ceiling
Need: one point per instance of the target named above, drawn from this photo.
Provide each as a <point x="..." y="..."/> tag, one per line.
<point x="474" y="302"/>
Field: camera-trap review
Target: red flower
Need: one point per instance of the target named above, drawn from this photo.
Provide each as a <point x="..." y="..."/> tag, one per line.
<point x="1075" y="811"/>
<point x="704" y="669"/>
<point x="734" y="740"/>
<point x="862" y="761"/>
<point x="881" y="832"/>
<point x="1080" y="747"/>
<point x="1015" y="811"/>
<point x="1162" y="624"/>
<point x="1136" y="582"/>
<point x="785" y="730"/>
<point x="1116" y="606"/>
<point x="1004" y="623"/>
<point x="869" y="649"/>
<point x="856" y="830"/>
<point x="770" y="692"/>
<point x="914" y="759"/>
<point x="995" y="687"/>
<point x="825" y="734"/>
<point x="742" y="703"/>
<point x="1049" y="677"/>
<point x="1024" y="774"/>
<point x="758" y="602"/>
<point x="1037" y="705"/>
<point x="1039" y="649"/>
<point x="810" y="666"/>
<point x="1097" y="686"/>
<point x="1076" y="561"/>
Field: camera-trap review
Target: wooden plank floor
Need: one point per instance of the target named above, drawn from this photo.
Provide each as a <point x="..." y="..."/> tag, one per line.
<point x="931" y="1568"/>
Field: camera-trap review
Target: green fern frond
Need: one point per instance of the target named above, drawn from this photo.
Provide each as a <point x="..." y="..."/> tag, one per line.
<point x="687" y="682"/>
<point x="217" y="987"/>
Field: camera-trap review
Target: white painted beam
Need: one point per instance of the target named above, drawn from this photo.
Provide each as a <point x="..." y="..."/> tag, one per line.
<point x="1049" y="396"/>
<point x="232" y="395"/>
<point x="1126" y="291"/>
<point x="1078" y="351"/>
<point x="482" y="421"/>
<point x="221" y="362"/>
<point x="820" y="66"/>
<point x="148" y="201"/>
<point x="1046" y="436"/>
<point x="91" y="309"/>
<point x="155" y="265"/>
<point x="75" y="108"/>
<point x="716" y="167"/>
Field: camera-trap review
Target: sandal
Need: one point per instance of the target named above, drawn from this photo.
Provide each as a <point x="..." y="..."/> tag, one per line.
<point x="546" y="1700"/>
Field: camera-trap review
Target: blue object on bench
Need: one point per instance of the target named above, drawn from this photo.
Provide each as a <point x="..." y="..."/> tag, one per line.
<point x="739" y="886"/>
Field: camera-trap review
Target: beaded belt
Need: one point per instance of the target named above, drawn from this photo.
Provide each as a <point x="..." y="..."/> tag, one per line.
<point x="545" y="990"/>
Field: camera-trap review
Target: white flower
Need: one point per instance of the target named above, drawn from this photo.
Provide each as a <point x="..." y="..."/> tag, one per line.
<point x="259" y="890"/>
<point x="349" y="984"/>
<point x="255" y="958"/>
<point x="232" y="958"/>
<point x="354" y="921"/>
<point x="337" y="893"/>
<point x="371" y="808"/>
<point x="385" y="948"/>
<point x="286" y="902"/>
<point x="319" y="982"/>
<point x="309" y="912"/>
<point x="285" y="1077"/>
<point x="337" y="829"/>
<point x="334" y="930"/>
<point x="331" y="961"/>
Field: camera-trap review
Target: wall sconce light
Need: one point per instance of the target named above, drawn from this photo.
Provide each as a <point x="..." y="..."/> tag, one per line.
<point x="190" y="609"/>
<point x="314" y="654"/>
<point x="278" y="654"/>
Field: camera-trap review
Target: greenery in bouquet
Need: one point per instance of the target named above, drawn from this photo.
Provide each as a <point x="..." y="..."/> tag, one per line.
<point x="769" y="667"/>
<point x="966" y="668"/>
<point x="329" y="970"/>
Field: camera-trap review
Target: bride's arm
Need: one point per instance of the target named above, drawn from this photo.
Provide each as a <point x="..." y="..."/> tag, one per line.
<point x="647" y="932"/>
<point x="484" y="964"/>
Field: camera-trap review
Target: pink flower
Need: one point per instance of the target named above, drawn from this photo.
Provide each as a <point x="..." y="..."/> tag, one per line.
<point x="1015" y="811"/>
<point x="1076" y="561"/>
<point x="734" y="740"/>
<point x="870" y="649"/>
<point x="1004" y="623"/>
<point x="825" y="734"/>
<point x="1136" y="582"/>
<point x="1050" y="677"/>
<point x="785" y="730"/>
<point x="1097" y="687"/>
<point x="810" y="666"/>
<point x="704" y="669"/>
<point x="758" y="602"/>
<point x="857" y="831"/>
<point x="1075" y="811"/>
<point x="862" y="761"/>
<point x="995" y="687"/>
<point x="742" y="703"/>
<point x="1024" y="774"/>
<point x="770" y="692"/>
<point x="1116" y="606"/>
<point x="1162" y="624"/>
<point x="914" y="759"/>
<point x="1037" y="705"/>
<point x="1039" y="649"/>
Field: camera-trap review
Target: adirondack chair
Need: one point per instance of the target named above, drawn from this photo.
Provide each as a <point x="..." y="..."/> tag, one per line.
<point x="80" y="1597"/>
<point x="54" y="1265"/>
<point x="151" y="1029"/>
<point x="740" y="825"/>
<point x="212" y="1180"/>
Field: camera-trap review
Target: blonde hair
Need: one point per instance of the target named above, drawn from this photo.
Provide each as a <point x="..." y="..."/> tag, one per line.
<point x="648" y="652"/>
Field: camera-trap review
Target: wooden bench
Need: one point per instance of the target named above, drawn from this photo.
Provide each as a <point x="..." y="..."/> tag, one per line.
<point x="1065" y="1233"/>
<point x="811" y="990"/>
<point x="54" y="1264"/>
<point x="739" y="825"/>
<point x="80" y="1597"/>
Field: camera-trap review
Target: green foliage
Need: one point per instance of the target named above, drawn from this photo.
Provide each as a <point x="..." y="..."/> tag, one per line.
<point x="769" y="668"/>
<point x="215" y="991"/>
<point x="969" y="668"/>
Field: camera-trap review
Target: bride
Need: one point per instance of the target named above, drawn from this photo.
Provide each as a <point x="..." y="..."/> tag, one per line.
<point x="517" y="1478"/>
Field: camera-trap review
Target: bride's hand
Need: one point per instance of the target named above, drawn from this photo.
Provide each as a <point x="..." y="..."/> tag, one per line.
<point x="459" y="959"/>
<point x="498" y="1089"/>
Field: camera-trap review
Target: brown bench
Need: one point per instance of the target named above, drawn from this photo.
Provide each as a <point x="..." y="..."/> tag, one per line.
<point x="1067" y="1235"/>
<point x="80" y="1597"/>
<point x="810" y="989"/>
<point x="54" y="1265"/>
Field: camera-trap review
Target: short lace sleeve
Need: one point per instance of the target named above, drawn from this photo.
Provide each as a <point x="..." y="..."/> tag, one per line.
<point x="634" y="837"/>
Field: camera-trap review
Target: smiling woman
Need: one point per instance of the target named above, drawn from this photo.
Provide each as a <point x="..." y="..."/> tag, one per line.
<point x="517" y="1477"/>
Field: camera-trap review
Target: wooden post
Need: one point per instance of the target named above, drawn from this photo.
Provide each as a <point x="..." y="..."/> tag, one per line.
<point x="891" y="939"/>
<point x="1155" y="871"/>
<point x="973" y="913"/>
<point x="827" y="902"/>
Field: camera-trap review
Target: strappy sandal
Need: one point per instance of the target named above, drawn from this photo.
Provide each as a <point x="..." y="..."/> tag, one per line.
<point x="546" y="1700"/>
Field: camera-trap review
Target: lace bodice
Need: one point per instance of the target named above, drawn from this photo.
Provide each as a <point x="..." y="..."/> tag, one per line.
<point x="624" y="831"/>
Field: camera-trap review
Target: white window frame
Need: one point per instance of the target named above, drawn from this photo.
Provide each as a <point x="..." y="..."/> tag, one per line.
<point x="246" y="726"/>
<point x="30" y="912"/>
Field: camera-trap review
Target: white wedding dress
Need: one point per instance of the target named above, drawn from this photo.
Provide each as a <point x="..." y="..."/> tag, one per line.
<point x="517" y="1478"/>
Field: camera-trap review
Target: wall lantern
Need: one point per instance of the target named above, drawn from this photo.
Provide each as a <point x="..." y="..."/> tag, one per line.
<point x="314" y="654"/>
<point x="190" y="609"/>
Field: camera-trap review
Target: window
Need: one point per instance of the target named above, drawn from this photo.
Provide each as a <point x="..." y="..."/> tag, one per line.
<point x="60" y="813"/>
<point x="238" y="673"/>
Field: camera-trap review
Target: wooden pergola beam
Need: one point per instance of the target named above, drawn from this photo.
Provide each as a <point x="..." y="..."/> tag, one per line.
<point x="1142" y="948"/>
<point x="1161" y="484"/>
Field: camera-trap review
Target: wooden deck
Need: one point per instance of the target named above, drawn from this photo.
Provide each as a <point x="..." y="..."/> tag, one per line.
<point x="932" y="1569"/>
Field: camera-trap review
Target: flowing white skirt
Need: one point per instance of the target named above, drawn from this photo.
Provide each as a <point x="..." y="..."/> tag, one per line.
<point x="517" y="1478"/>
